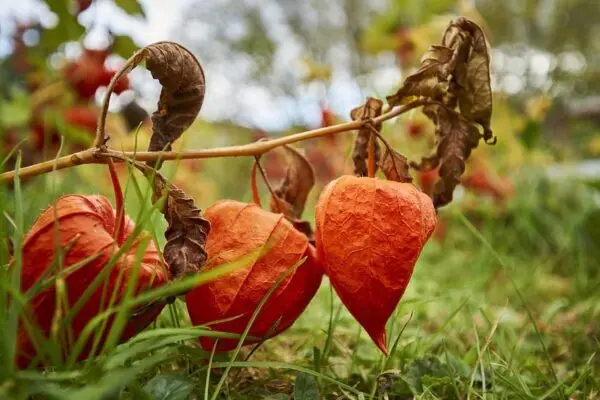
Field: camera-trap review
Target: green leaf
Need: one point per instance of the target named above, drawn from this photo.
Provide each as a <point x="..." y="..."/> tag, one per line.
<point x="131" y="7"/>
<point x="124" y="46"/>
<point x="460" y="368"/>
<point x="427" y="366"/>
<point x="306" y="387"/>
<point x="442" y="387"/>
<point x="401" y="388"/>
<point x="169" y="387"/>
<point x="138" y="393"/>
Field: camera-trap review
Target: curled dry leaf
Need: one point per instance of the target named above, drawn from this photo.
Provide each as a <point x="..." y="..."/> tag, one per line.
<point x="187" y="230"/>
<point x="182" y="94"/>
<point x="289" y="197"/>
<point x="395" y="166"/>
<point x="455" y="139"/>
<point x="430" y="80"/>
<point x="472" y="77"/>
<point x="183" y="85"/>
<point x="371" y="109"/>
<point x="457" y="72"/>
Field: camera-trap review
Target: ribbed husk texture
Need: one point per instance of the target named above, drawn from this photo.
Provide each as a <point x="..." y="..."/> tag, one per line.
<point x="237" y="230"/>
<point x="85" y="225"/>
<point x="369" y="234"/>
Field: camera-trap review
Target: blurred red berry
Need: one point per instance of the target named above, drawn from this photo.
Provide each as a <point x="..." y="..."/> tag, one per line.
<point x="405" y="48"/>
<point x="481" y="181"/>
<point x="82" y="117"/>
<point x="83" y="5"/>
<point x="44" y="136"/>
<point x="88" y="73"/>
<point x="441" y="229"/>
<point x="427" y="180"/>
<point x="415" y="129"/>
<point x="328" y="118"/>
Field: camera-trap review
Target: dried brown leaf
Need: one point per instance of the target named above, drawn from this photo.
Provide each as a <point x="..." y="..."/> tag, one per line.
<point x="456" y="137"/>
<point x="290" y="195"/>
<point x="430" y="80"/>
<point x="187" y="230"/>
<point x="457" y="72"/>
<point x="371" y="109"/>
<point x="182" y="94"/>
<point x="395" y="166"/>
<point x="295" y="187"/>
<point x="472" y="71"/>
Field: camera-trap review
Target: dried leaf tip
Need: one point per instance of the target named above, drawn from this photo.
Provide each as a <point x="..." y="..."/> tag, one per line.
<point x="371" y="109"/>
<point x="395" y="166"/>
<point x="456" y="76"/>
<point x="186" y="233"/>
<point x="290" y="195"/>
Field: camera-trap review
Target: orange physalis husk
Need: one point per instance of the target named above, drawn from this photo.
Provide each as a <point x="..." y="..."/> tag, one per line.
<point x="238" y="229"/>
<point x="369" y="234"/>
<point x="85" y="226"/>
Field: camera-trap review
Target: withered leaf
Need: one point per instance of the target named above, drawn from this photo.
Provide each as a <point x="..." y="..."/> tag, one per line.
<point x="182" y="94"/>
<point x="187" y="230"/>
<point x="371" y="109"/>
<point x="456" y="137"/>
<point x="457" y="72"/>
<point x="291" y="193"/>
<point x="472" y="72"/>
<point x="430" y="80"/>
<point x="395" y="166"/>
<point x="295" y="187"/>
<point x="183" y="86"/>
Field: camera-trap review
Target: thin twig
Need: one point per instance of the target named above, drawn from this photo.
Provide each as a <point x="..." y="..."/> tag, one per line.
<point x="131" y="63"/>
<point x="98" y="156"/>
<point x="253" y="185"/>
<point x="268" y="185"/>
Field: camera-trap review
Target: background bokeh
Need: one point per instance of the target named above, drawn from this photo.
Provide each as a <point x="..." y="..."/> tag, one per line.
<point x="520" y="243"/>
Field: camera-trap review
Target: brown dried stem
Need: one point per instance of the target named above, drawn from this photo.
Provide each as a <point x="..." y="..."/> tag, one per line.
<point x="97" y="155"/>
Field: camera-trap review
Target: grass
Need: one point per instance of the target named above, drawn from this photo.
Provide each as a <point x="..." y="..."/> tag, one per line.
<point x="506" y="306"/>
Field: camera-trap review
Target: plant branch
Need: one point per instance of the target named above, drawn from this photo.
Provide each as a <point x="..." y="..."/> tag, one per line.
<point x="125" y="69"/>
<point x="98" y="155"/>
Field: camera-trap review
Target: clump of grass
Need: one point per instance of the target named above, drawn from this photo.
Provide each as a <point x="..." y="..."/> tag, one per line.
<point x="507" y="306"/>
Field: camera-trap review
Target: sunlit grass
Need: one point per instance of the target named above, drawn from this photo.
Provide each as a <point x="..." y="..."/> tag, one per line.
<point x="507" y="306"/>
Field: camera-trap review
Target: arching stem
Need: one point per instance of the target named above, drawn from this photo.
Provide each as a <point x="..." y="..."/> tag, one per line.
<point x="120" y="224"/>
<point x="253" y="184"/>
<point x="271" y="191"/>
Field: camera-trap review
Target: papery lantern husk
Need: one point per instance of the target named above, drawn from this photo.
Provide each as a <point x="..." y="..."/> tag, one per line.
<point x="237" y="230"/>
<point x="369" y="234"/>
<point x="85" y="225"/>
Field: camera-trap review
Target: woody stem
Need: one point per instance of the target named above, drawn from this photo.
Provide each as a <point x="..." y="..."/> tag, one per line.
<point x="100" y="126"/>
<point x="94" y="156"/>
